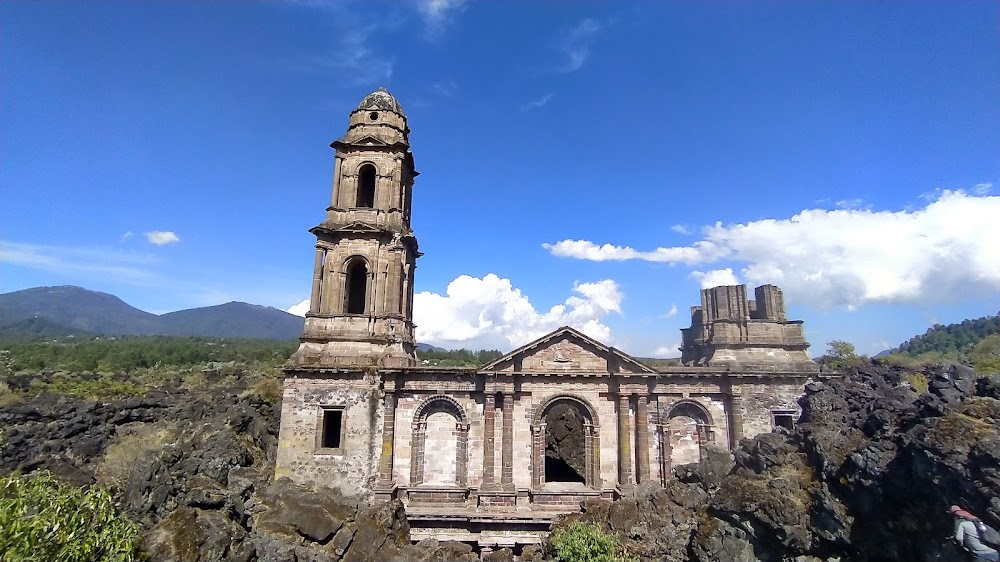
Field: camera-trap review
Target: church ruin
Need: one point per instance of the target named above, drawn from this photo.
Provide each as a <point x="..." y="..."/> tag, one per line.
<point x="491" y="455"/>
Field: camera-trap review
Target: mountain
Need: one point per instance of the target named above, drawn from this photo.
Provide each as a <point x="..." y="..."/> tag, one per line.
<point x="62" y="311"/>
<point x="425" y="347"/>
<point x="77" y="308"/>
<point x="233" y="320"/>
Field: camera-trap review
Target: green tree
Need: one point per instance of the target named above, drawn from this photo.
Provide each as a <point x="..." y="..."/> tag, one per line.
<point x="986" y="355"/>
<point x="840" y="354"/>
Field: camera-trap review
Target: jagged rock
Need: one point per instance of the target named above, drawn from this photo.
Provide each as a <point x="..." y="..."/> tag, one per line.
<point x="430" y="550"/>
<point x="194" y="535"/>
<point x="296" y="511"/>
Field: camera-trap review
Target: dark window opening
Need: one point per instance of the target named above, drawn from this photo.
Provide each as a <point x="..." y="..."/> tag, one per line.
<point x="366" y="187"/>
<point x="373" y="116"/>
<point x="784" y="419"/>
<point x="565" y="444"/>
<point x="332" y="426"/>
<point x="357" y="283"/>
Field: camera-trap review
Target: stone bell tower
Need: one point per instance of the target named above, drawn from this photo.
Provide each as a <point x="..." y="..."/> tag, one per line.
<point x="361" y="311"/>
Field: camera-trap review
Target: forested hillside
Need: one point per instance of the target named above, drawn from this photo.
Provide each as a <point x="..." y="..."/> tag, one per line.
<point x="971" y="342"/>
<point x="953" y="338"/>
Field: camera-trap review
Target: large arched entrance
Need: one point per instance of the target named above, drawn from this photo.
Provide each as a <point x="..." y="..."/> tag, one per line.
<point x="565" y="444"/>
<point x="689" y="426"/>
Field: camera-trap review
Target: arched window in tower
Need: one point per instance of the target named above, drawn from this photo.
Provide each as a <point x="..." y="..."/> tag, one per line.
<point x="357" y="285"/>
<point x="366" y="187"/>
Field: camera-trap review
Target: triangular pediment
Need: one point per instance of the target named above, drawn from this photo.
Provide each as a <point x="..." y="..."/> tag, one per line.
<point x="566" y="350"/>
<point x="358" y="227"/>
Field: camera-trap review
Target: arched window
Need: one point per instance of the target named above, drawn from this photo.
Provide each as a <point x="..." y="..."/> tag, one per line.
<point x="357" y="285"/>
<point x="366" y="187"/>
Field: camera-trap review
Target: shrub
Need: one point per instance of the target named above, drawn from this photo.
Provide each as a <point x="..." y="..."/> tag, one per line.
<point x="267" y="389"/>
<point x="584" y="542"/>
<point x="122" y="455"/>
<point x="42" y="519"/>
<point x="918" y="382"/>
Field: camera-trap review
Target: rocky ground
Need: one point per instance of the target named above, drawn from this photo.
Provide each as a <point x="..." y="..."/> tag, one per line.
<point x="866" y="475"/>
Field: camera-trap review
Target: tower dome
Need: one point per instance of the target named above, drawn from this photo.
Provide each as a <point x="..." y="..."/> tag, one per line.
<point x="380" y="99"/>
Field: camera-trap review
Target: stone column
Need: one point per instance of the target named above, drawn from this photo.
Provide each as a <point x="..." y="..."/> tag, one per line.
<point x="417" y="454"/>
<point x="624" y="443"/>
<point x="642" y="439"/>
<point x="588" y="440"/>
<point x="462" y="453"/>
<point x="507" y="457"/>
<point x="335" y="195"/>
<point x="735" y="415"/>
<point x="394" y="286"/>
<point x="537" y="455"/>
<point x="489" y="441"/>
<point x="317" y="287"/>
<point x="663" y="435"/>
<point x="388" y="440"/>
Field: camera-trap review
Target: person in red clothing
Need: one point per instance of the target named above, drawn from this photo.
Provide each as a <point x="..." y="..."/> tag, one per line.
<point x="967" y="535"/>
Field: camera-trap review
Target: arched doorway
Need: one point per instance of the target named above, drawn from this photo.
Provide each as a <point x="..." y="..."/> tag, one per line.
<point x="366" y="187"/>
<point x="565" y="444"/>
<point x="689" y="428"/>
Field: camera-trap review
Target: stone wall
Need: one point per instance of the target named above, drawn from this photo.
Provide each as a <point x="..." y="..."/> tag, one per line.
<point x="353" y="467"/>
<point x="761" y="399"/>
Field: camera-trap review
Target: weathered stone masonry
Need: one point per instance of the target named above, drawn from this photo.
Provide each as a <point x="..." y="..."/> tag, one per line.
<point x="491" y="455"/>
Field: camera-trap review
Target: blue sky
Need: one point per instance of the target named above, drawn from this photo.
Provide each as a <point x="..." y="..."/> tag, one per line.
<point x="586" y="163"/>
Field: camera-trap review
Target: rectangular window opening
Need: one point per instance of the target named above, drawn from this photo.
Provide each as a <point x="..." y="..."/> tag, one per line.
<point x="783" y="418"/>
<point x="333" y="421"/>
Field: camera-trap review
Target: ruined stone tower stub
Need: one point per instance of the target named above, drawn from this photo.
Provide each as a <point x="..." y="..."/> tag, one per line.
<point x="361" y="308"/>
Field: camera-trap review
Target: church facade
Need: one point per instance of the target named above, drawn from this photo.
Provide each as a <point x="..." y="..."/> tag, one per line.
<point x="491" y="455"/>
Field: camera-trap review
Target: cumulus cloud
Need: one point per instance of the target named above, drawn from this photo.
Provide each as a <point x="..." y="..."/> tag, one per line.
<point x="667" y="351"/>
<point x="489" y="312"/>
<point x="299" y="309"/>
<point x="576" y="44"/>
<point x="161" y="237"/>
<point x="438" y="15"/>
<point x="680" y="229"/>
<point x="847" y="257"/>
<point x="716" y="277"/>
<point x="670" y="313"/>
<point x="587" y="250"/>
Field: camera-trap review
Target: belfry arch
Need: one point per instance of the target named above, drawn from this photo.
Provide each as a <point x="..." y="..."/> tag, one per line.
<point x="366" y="186"/>
<point x="690" y="427"/>
<point x="565" y="442"/>
<point x="356" y="286"/>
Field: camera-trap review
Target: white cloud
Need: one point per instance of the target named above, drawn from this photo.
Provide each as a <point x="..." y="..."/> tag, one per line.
<point x="126" y="236"/>
<point x="848" y="257"/>
<point x="586" y="250"/>
<point x="716" y="277"/>
<point x="299" y="309"/>
<point x="161" y="237"/>
<point x="438" y="15"/>
<point x="537" y="103"/>
<point x="491" y="313"/>
<point x="680" y="229"/>
<point x="576" y="44"/>
<point x="670" y="313"/>
<point x="670" y="351"/>
<point x="851" y="203"/>
<point x="446" y="88"/>
<point x="982" y="188"/>
<point x="96" y="263"/>
<point x="352" y="38"/>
